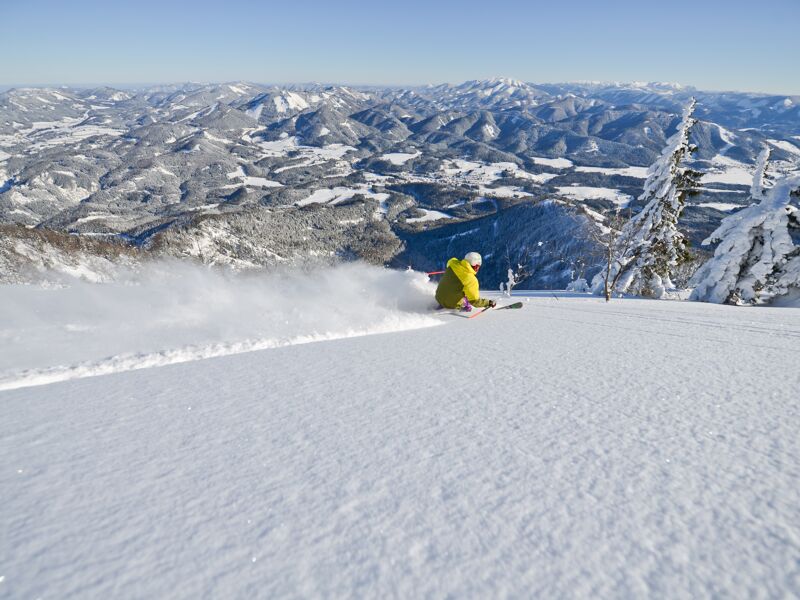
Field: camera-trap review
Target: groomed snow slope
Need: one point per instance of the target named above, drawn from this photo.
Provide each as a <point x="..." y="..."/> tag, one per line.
<point x="569" y="449"/>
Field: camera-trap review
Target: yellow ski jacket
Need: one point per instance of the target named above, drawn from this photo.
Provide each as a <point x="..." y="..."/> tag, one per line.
<point x="459" y="280"/>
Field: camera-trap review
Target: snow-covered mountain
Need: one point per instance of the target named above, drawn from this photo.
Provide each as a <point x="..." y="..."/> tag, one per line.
<point x="421" y="163"/>
<point x="490" y="94"/>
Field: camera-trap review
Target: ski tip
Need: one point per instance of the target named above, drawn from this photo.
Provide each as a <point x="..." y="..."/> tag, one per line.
<point x="515" y="305"/>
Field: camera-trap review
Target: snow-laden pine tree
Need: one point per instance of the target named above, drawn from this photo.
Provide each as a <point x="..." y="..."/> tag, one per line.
<point x="762" y="179"/>
<point x="755" y="258"/>
<point x="784" y="281"/>
<point x="650" y="246"/>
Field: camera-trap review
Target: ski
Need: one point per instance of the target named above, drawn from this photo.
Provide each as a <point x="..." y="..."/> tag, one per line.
<point x="475" y="313"/>
<point x="462" y="313"/>
<point x="480" y="312"/>
<point x="515" y="305"/>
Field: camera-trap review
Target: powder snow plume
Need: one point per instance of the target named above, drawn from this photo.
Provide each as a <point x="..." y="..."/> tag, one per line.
<point x="172" y="312"/>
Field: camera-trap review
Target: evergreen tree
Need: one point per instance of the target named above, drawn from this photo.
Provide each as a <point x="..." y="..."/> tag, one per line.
<point x="762" y="179"/>
<point x="756" y="258"/>
<point x="650" y="245"/>
<point x="784" y="281"/>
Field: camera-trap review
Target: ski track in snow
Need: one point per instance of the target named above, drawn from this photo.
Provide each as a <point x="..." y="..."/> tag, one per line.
<point x="133" y="362"/>
<point x="573" y="448"/>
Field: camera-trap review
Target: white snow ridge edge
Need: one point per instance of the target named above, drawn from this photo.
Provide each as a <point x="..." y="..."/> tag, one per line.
<point x="132" y="362"/>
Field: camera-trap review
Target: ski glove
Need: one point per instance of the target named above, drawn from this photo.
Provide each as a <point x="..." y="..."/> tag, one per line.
<point x="467" y="306"/>
<point x="492" y="303"/>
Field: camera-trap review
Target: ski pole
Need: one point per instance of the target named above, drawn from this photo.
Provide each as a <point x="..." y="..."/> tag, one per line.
<point x="434" y="273"/>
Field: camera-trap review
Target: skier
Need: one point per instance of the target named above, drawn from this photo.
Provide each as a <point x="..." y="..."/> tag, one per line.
<point x="459" y="287"/>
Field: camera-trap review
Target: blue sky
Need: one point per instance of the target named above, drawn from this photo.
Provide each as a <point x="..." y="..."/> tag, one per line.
<point x="711" y="44"/>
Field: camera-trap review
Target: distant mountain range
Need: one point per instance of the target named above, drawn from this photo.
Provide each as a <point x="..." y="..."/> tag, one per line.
<point x="245" y="174"/>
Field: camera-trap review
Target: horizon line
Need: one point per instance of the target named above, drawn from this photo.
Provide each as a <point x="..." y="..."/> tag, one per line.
<point x="4" y="87"/>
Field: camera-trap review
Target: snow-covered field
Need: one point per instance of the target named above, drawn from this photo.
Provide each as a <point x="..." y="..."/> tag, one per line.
<point x="728" y="171"/>
<point x="556" y="163"/>
<point x="578" y="192"/>
<point x="573" y="448"/>
<point x="429" y="215"/>
<point x="400" y="158"/>
<point x="638" y="172"/>
<point x="252" y="181"/>
<point x="52" y="134"/>
<point x="309" y="155"/>
<point x="476" y="173"/>
<point x="340" y="194"/>
<point x="722" y="206"/>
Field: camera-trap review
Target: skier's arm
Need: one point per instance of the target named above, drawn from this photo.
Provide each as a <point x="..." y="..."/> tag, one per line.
<point x="481" y="302"/>
<point x="473" y="294"/>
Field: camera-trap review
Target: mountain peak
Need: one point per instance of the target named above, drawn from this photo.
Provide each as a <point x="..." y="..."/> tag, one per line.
<point x="506" y="81"/>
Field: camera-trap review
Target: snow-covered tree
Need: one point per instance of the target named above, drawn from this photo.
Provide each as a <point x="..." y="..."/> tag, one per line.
<point x="756" y="258"/>
<point x="761" y="178"/>
<point x="609" y="239"/>
<point x="513" y="279"/>
<point x="516" y="274"/>
<point x="650" y="246"/>
<point x="784" y="282"/>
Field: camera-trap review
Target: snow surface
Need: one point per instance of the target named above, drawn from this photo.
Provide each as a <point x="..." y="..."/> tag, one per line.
<point x="470" y="172"/>
<point x="289" y="101"/>
<point x="733" y="175"/>
<point x="501" y="191"/>
<point x="280" y="147"/>
<point x="253" y="181"/>
<point x="339" y="194"/>
<point x="722" y="206"/>
<point x="261" y="182"/>
<point x="430" y="215"/>
<point x="578" y="192"/>
<point x="728" y="170"/>
<point x="214" y="138"/>
<point x="399" y="158"/>
<point x="311" y="155"/>
<point x="786" y="146"/>
<point x="480" y="176"/>
<point x="556" y="163"/>
<point x="638" y="172"/>
<point x="587" y="450"/>
<point x="90" y="217"/>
